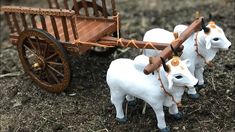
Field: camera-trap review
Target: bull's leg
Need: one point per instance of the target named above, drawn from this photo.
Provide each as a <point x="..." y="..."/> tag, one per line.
<point x="199" y="75"/>
<point x="192" y="93"/>
<point x="175" y="113"/>
<point x="131" y="100"/>
<point x="158" y="109"/>
<point x="173" y="109"/>
<point x="117" y="99"/>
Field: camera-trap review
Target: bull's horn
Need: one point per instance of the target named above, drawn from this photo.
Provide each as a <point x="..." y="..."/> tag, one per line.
<point x="210" y="17"/>
<point x="166" y="68"/>
<point x="174" y="51"/>
<point x="206" y="29"/>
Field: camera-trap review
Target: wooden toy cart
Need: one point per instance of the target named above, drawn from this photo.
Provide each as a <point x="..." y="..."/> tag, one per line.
<point x="45" y="37"/>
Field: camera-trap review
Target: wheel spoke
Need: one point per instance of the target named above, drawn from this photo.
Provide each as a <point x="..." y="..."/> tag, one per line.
<point x="47" y="76"/>
<point x="38" y="72"/>
<point x="38" y="45"/>
<point x="31" y="43"/>
<point x="52" y="68"/>
<point x="55" y="63"/>
<point x="53" y="76"/>
<point x="33" y="52"/>
<point x="51" y="56"/>
<point x="45" y="50"/>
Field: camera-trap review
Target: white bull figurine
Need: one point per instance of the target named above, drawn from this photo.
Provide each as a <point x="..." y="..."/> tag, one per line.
<point x="200" y="48"/>
<point x="125" y="78"/>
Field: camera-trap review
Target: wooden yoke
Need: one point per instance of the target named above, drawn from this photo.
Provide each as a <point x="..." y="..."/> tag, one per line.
<point x="155" y="62"/>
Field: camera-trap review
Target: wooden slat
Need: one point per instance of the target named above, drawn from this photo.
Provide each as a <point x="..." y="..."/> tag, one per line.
<point x="81" y="24"/>
<point x="104" y="9"/>
<point x="87" y="29"/>
<point x="53" y="23"/>
<point x="94" y="29"/>
<point x="22" y="15"/>
<point x="113" y="8"/>
<point x="75" y="4"/>
<point x="16" y="24"/>
<point x="65" y="28"/>
<point x="49" y="3"/>
<point x="85" y="26"/>
<point x="96" y="13"/>
<point x="37" y="11"/>
<point x="66" y="4"/>
<point x="84" y="4"/>
<point x="74" y="27"/>
<point x="95" y="19"/>
<point x="43" y="22"/>
<point x="57" y="4"/>
<point x="32" y="17"/>
<point x="10" y="25"/>
<point x="99" y="27"/>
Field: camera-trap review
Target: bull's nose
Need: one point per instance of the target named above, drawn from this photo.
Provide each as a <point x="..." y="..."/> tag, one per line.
<point x="196" y="84"/>
<point x="229" y="47"/>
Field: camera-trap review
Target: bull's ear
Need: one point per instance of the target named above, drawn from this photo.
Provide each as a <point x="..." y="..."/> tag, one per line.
<point x="187" y="62"/>
<point x="208" y="43"/>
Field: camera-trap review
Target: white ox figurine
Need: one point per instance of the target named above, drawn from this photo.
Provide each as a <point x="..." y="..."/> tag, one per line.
<point x="125" y="78"/>
<point x="200" y="48"/>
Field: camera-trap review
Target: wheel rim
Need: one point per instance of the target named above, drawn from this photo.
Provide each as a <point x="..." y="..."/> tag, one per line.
<point x="44" y="59"/>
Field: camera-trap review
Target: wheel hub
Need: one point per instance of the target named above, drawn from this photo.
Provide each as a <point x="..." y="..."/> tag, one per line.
<point x="40" y="64"/>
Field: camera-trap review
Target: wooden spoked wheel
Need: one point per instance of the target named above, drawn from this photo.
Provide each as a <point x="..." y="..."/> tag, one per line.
<point x="44" y="59"/>
<point x="100" y="51"/>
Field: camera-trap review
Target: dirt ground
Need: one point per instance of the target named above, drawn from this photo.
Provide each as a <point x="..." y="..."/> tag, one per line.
<point x="86" y="105"/>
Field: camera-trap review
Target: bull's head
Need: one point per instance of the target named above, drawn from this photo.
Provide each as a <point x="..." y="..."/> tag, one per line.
<point x="215" y="37"/>
<point x="178" y="76"/>
<point x="178" y="73"/>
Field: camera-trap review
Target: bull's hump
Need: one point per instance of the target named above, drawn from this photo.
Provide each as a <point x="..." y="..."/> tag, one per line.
<point x="140" y="62"/>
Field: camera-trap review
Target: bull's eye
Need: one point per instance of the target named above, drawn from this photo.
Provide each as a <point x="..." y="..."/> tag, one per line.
<point x="178" y="77"/>
<point x="216" y="39"/>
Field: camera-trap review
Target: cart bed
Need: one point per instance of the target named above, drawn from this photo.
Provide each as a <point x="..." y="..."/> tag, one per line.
<point x="88" y="29"/>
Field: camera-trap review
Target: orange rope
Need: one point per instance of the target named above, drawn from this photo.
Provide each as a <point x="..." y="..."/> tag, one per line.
<point x="149" y="43"/>
<point x="119" y="41"/>
<point x="133" y="42"/>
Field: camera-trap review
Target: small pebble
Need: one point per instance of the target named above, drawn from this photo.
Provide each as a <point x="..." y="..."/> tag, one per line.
<point x="72" y="94"/>
<point x="227" y="91"/>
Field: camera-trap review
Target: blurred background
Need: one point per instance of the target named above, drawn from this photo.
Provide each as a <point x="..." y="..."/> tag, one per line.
<point x="86" y="105"/>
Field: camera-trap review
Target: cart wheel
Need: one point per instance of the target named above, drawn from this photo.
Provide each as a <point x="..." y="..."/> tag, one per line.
<point x="96" y="50"/>
<point x="44" y="59"/>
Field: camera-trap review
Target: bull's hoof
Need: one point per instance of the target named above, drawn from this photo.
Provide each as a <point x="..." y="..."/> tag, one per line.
<point x="122" y="120"/>
<point x="200" y="86"/>
<point x="177" y="116"/>
<point x="132" y="103"/>
<point x="193" y="96"/>
<point x="166" y="129"/>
